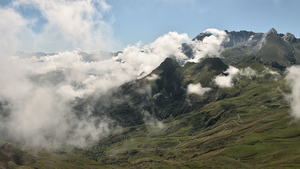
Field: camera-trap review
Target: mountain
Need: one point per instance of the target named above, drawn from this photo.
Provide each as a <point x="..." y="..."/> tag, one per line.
<point x="276" y="50"/>
<point x="162" y="93"/>
<point x="240" y="126"/>
<point x="182" y="117"/>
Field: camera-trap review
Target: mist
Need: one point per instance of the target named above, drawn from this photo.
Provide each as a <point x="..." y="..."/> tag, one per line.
<point x="39" y="93"/>
<point x="293" y="80"/>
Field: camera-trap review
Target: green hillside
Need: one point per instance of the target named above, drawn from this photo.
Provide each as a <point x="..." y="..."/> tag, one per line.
<point x="164" y="125"/>
<point x="247" y="126"/>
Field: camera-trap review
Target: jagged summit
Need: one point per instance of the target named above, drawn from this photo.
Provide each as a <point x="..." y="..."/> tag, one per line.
<point x="272" y="31"/>
<point x="240" y="38"/>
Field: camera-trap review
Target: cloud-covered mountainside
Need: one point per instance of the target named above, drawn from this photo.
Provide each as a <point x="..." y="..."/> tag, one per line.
<point x="40" y="93"/>
<point x="173" y="88"/>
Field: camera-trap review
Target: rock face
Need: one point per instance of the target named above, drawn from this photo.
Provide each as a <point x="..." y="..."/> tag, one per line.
<point x="278" y="50"/>
<point x="239" y="38"/>
<point x="274" y="49"/>
<point x="290" y="38"/>
<point x="242" y="38"/>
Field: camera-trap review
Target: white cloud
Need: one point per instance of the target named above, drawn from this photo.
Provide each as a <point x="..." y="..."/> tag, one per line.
<point x="248" y="72"/>
<point x="267" y="70"/>
<point x="197" y="89"/>
<point x="14" y="31"/>
<point x="210" y="45"/>
<point x="148" y="57"/>
<point x="226" y="81"/>
<point x="69" y="25"/>
<point x="41" y="91"/>
<point x="40" y="112"/>
<point x="151" y="121"/>
<point x="293" y="80"/>
<point x="153" y="77"/>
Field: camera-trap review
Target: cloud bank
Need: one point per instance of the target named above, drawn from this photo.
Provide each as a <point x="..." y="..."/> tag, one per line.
<point x="66" y="25"/>
<point x="39" y="94"/>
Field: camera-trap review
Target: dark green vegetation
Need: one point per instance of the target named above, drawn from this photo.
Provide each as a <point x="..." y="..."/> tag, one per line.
<point x="246" y="126"/>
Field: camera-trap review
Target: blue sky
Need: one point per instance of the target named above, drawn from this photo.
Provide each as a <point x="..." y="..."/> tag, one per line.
<point x="124" y="22"/>
<point x="146" y="20"/>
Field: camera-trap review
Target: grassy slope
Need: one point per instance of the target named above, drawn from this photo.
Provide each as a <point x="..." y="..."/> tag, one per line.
<point x="264" y="137"/>
<point x="251" y="130"/>
<point x="204" y="71"/>
<point x="214" y="136"/>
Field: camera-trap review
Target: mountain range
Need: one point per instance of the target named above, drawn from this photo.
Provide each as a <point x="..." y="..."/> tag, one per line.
<point x="273" y="49"/>
<point x="229" y="111"/>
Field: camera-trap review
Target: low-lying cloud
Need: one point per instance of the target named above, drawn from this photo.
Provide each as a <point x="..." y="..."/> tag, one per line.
<point x="197" y="89"/>
<point x="210" y="46"/>
<point x="153" y="77"/>
<point x="293" y="80"/>
<point x="248" y="72"/>
<point x="39" y="94"/>
<point x="151" y="121"/>
<point x="226" y="81"/>
<point x="268" y="70"/>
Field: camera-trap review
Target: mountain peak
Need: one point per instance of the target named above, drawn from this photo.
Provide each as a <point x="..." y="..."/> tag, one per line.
<point x="272" y="31"/>
<point x="167" y="66"/>
<point x="289" y="38"/>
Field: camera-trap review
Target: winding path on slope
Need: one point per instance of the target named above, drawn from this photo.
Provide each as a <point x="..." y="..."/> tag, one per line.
<point x="178" y="144"/>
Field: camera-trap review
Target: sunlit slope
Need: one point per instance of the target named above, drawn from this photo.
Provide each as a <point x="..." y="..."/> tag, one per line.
<point x="245" y="126"/>
<point x="251" y="128"/>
